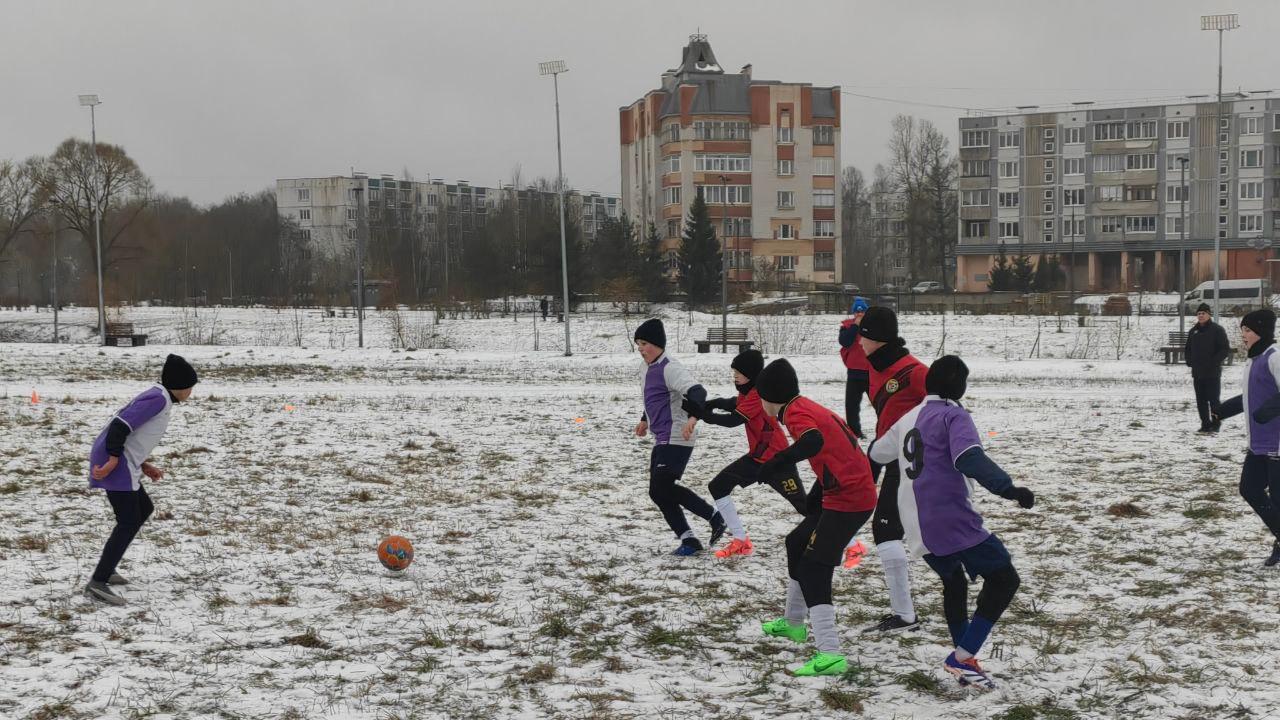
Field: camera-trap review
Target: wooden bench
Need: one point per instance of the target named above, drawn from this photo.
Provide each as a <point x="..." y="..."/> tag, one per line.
<point x="1177" y="346"/>
<point x="122" y="335"/>
<point x="725" y="337"/>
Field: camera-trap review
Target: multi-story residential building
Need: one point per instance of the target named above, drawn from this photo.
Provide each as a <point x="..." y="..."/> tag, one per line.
<point x="889" y="238"/>
<point x="1101" y="188"/>
<point x="764" y="155"/>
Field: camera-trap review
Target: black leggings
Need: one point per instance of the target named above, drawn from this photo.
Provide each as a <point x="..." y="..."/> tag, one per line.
<point x="666" y="465"/>
<point x="886" y="525"/>
<point x="1260" y="487"/>
<point x="132" y="508"/>
<point x="745" y="471"/>
<point x="816" y="546"/>
<point x="998" y="588"/>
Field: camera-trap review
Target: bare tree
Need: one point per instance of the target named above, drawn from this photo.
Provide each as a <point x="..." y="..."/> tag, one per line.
<point x="119" y="187"/>
<point x="857" y="248"/>
<point x="24" y="192"/>
<point x="924" y="170"/>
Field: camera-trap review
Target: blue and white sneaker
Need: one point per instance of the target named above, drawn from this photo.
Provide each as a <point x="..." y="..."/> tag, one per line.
<point x="969" y="672"/>
<point x="688" y="546"/>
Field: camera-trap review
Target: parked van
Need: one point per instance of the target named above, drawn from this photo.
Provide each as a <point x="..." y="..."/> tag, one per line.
<point x="1238" y="296"/>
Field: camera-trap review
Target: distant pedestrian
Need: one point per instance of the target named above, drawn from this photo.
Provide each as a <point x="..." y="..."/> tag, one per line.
<point x="1207" y="347"/>
<point x="857" y="379"/>
<point x="543" y="303"/>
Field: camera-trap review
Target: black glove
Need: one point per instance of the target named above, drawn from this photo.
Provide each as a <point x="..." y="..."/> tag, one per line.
<point x="1023" y="496"/>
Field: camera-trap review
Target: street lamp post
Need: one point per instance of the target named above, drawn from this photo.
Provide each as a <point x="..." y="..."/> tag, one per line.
<point x="91" y="102"/>
<point x="360" y="266"/>
<point x="724" y="266"/>
<point x="1071" y="273"/>
<point x="1220" y="23"/>
<point x="554" y="68"/>
<point x="1182" y="246"/>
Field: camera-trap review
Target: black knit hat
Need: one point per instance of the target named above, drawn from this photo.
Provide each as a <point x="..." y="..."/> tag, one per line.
<point x="177" y="373"/>
<point x="652" y="332"/>
<point x="879" y="324"/>
<point x="1262" y="322"/>
<point x="749" y="363"/>
<point x="947" y="378"/>
<point x="1204" y="308"/>
<point x="777" y="383"/>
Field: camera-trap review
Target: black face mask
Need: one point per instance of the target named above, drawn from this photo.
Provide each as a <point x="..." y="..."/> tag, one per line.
<point x="745" y="387"/>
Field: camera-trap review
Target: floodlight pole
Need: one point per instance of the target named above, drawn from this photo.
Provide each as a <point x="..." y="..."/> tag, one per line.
<point x="554" y="68"/>
<point x="91" y="102"/>
<point x="1220" y="23"/>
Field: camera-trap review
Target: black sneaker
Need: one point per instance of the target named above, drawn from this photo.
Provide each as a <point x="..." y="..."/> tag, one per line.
<point x="718" y="526"/>
<point x="892" y="624"/>
<point x="99" y="590"/>
<point x="1275" y="555"/>
<point x="117" y="579"/>
<point x="688" y="547"/>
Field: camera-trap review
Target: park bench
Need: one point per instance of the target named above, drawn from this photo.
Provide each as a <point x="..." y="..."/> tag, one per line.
<point x="725" y="337"/>
<point x="1177" y="345"/>
<point x="122" y="335"/>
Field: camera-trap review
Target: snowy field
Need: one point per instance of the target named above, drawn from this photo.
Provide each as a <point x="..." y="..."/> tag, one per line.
<point x="541" y="586"/>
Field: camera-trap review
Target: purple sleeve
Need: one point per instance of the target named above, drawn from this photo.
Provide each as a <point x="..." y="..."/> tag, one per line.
<point x="143" y="408"/>
<point x="962" y="433"/>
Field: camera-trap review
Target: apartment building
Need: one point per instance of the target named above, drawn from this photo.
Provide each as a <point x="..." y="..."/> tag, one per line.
<point x="764" y="155"/>
<point x="1102" y="188"/>
<point x="889" y="239"/>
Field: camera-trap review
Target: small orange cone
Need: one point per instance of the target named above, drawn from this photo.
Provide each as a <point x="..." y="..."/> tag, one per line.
<point x="35" y="398"/>
<point x="579" y="420"/>
<point x="288" y="408"/>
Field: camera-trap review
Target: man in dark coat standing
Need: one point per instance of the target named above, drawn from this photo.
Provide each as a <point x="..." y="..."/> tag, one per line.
<point x="1207" y="347"/>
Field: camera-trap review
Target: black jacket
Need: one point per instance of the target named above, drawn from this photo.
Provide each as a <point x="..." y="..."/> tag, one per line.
<point x="1207" y="348"/>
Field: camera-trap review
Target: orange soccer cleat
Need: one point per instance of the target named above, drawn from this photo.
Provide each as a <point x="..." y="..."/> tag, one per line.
<point x="735" y="547"/>
<point x="853" y="555"/>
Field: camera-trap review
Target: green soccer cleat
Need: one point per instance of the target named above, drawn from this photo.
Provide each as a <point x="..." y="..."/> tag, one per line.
<point x="822" y="664"/>
<point x="783" y="627"/>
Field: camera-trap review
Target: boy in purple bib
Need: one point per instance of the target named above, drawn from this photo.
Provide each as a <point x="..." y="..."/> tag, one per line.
<point x="118" y="461"/>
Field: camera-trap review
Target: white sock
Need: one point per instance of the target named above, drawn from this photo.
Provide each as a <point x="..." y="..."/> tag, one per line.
<point x="725" y="507"/>
<point x="962" y="654"/>
<point x="893" y="555"/>
<point x="686" y="535"/>
<point x="796" y="610"/>
<point x="825" y="636"/>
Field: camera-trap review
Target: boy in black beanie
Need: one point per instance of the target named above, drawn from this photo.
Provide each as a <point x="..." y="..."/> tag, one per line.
<point x="764" y="440"/>
<point x="846" y="494"/>
<point x="671" y="396"/>
<point x="118" y="461"/>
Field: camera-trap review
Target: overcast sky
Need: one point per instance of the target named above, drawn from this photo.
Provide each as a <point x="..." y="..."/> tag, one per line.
<point x="218" y="97"/>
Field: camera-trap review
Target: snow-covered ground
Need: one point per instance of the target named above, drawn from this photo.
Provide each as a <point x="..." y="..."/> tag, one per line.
<point x="542" y="587"/>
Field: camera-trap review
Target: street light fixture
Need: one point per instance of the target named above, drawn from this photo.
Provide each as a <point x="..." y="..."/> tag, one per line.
<point x="554" y="68"/>
<point x="91" y="102"/>
<point x="1220" y="23"/>
<point x="1182" y="247"/>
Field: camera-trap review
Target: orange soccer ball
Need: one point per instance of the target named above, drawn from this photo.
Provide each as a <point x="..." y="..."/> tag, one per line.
<point x="395" y="552"/>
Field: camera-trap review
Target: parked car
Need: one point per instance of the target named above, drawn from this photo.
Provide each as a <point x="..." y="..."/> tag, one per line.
<point x="1238" y="296"/>
<point x="888" y="288"/>
<point x="851" y="288"/>
<point x="927" y="286"/>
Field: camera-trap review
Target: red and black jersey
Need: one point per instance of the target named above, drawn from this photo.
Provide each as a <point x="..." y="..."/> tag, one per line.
<point x="764" y="435"/>
<point x="854" y="357"/>
<point x="841" y="467"/>
<point x="895" y="390"/>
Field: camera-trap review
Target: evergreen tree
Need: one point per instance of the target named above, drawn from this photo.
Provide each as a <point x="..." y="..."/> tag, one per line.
<point x="1001" y="272"/>
<point x="652" y="270"/>
<point x="1048" y="273"/>
<point x="1023" y="273"/>
<point x="699" y="256"/>
<point x="615" y="252"/>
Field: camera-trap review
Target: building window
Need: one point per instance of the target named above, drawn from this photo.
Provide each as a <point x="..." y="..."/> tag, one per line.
<point x="721" y="130"/>
<point x="974" y="168"/>
<point x="1145" y="161"/>
<point x="1048" y="133"/>
<point x="976" y="228"/>
<point x="1009" y="169"/>
<point x="1251" y="126"/>
<point x="304" y="214"/>
<point x="784" y="135"/>
<point x="351" y="233"/>
<point x="1048" y="177"/>
<point x="1178" y="129"/>
<point x="1073" y="227"/>
<point x="737" y="227"/>
<point x="1009" y="229"/>
<point x="824" y="262"/>
<point x="673" y="228"/>
<point x="670" y="164"/>
<point x="1011" y="138"/>
<point x="1109" y="224"/>
<point x="1073" y="197"/>
<point x="304" y="195"/>
<point x="786" y="167"/>
<point x="672" y="131"/>
<point x="1251" y="222"/>
<point x="824" y="166"/>
<point x="786" y="199"/>
<point x="1108" y="131"/>
<point x="1048" y="237"/>
<point x="1175" y="193"/>
<point x="740" y="259"/>
<point x="1251" y="190"/>
<point x="1251" y="158"/>
<point x="971" y="198"/>
<point x="1108" y="163"/>
<point x="375" y="195"/>
<point x="1142" y="130"/>
<point x="673" y="260"/>
<point x="786" y="231"/>
<point x="824" y="134"/>
<point x="725" y="194"/>
<point x="1073" y="166"/>
<point x="721" y="163"/>
<point x="352" y="215"/>
<point x="1048" y="164"/>
<point x="1140" y="193"/>
<point x="1222" y="219"/>
<point x="824" y="228"/>
<point x="786" y="262"/>
<point x="1276" y="126"/>
<point x="1224" y="203"/>
<point x="975" y="138"/>
<point x="1048" y="194"/>
<point x="1140" y="223"/>
<point x="671" y="195"/>
<point x="824" y="198"/>
<point x="1073" y="136"/>
<point x="1048" y="146"/>
<point x="1048" y="208"/>
<point x="1007" y="199"/>
<point x="1173" y="225"/>
<point x="1173" y="164"/>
